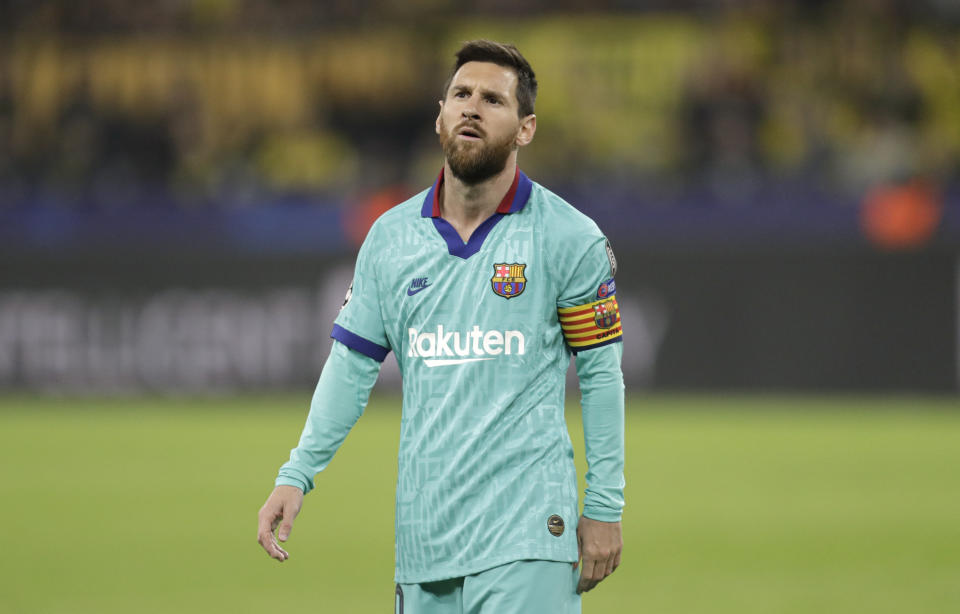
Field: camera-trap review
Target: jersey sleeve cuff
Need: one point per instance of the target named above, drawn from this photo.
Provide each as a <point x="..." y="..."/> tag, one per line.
<point x="604" y="503"/>
<point x="285" y="479"/>
<point x="358" y="343"/>
<point x="603" y="514"/>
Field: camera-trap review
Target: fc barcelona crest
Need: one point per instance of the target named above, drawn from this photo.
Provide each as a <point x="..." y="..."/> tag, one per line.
<point x="606" y="314"/>
<point x="508" y="280"/>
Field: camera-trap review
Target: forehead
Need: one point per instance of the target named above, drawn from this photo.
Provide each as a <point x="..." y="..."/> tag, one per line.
<point x="486" y="76"/>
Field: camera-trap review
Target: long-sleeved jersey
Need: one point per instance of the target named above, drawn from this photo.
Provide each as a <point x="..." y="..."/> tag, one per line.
<point x="483" y="332"/>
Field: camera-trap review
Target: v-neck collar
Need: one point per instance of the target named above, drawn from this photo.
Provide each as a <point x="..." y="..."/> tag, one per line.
<point x="515" y="199"/>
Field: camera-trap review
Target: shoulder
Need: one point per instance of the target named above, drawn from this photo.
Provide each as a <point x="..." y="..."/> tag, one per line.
<point x="399" y="217"/>
<point x="579" y="254"/>
<point x="562" y="221"/>
<point x="389" y="229"/>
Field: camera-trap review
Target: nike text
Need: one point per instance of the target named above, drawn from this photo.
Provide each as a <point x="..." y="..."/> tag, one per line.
<point x="417" y="284"/>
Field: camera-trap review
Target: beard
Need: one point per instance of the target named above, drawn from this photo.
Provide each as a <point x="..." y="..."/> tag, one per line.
<point x="474" y="162"/>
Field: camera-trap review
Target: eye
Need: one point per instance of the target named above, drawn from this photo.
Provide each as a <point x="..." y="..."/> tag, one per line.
<point x="493" y="100"/>
<point x="460" y="94"/>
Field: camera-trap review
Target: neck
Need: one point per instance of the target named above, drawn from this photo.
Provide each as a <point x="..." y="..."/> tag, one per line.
<point x="466" y="206"/>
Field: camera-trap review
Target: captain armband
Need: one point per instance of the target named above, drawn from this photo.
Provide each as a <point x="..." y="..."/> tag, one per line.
<point x="592" y="325"/>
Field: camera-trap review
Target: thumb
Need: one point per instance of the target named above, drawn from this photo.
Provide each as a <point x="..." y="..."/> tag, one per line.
<point x="286" y="525"/>
<point x="285" y="528"/>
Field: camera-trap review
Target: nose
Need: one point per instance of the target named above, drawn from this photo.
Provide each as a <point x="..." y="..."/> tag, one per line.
<point x="470" y="110"/>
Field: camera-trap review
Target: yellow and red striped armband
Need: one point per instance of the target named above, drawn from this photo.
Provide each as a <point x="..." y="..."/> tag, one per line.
<point x="591" y="325"/>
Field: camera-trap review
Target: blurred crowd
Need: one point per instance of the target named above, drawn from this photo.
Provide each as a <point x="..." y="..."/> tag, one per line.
<point x="227" y="103"/>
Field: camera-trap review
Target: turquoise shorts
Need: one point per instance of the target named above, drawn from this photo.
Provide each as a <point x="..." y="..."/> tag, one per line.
<point x="521" y="587"/>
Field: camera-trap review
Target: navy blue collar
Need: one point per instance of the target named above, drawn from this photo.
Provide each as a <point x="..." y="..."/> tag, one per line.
<point x="515" y="199"/>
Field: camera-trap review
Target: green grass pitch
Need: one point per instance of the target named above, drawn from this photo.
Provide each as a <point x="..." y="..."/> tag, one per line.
<point x="734" y="505"/>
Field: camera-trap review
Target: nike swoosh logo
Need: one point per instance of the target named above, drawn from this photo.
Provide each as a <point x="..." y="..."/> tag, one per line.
<point x="411" y="291"/>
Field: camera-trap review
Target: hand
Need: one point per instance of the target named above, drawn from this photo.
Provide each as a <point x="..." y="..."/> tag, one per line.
<point x="281" y="508"/>
<point x="598" y="546"/>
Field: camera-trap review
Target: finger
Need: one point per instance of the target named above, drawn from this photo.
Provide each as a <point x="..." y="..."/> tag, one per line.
<point x="267" y="518"/>
<point x="285" y="527"/>
<point x="279" y="553"/>
<point x="614" y="563"/>
<point x="269" y="543"/>
<point x="585" y="585"/>
<point x="598" y="565"/>
<point x="266" y="525"/>
<point x="579" y="548"/>
<point x="586" y="575"/>
<point x="611" y="565"/>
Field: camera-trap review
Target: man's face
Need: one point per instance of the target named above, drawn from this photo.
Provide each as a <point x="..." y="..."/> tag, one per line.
<point x="478" y="123"/>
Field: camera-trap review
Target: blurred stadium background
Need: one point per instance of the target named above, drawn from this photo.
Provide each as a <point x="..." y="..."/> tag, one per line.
<point x="184" y="185"/>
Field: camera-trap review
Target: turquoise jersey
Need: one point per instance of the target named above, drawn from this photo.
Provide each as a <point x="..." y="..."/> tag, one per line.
<point x="483" y="333"/>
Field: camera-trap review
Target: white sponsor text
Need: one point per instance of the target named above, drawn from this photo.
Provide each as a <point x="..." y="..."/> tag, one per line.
<point x="462" y="347"/>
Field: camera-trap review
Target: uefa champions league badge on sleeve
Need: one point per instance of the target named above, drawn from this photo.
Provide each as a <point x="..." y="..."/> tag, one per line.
<point x="346" y="299"/>
<point x="607" y="288"/>
<point x="508" y="280"/>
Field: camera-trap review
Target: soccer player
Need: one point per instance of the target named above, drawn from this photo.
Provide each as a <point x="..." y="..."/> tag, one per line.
<point x="483" y="286"/>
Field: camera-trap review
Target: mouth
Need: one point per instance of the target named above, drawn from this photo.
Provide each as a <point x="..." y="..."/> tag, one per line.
<point x="469" y="134"/>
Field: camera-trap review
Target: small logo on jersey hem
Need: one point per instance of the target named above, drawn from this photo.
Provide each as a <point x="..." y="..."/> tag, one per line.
<point x="418" y="284"/>
<point x="508" y="280"/>
<point x="555" y="525"/>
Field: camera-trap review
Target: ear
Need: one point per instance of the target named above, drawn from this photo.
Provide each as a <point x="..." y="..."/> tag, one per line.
<point x="436" y="126"/>
<point x="528" y="127"/>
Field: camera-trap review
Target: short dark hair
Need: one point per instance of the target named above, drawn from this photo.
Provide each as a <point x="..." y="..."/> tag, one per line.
<point x="505" y="55"/>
